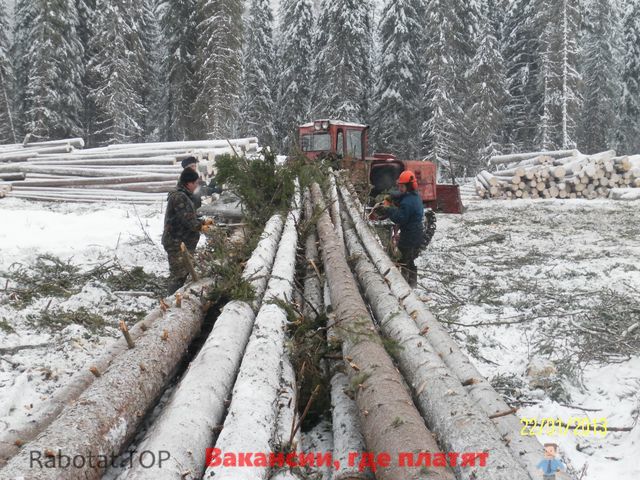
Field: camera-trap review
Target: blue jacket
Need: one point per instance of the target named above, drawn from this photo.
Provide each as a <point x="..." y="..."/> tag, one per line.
<point x="408" y="216"/>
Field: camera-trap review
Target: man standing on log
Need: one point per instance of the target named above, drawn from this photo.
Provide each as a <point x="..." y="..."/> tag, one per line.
<point x="182" y="225"/>
<point x="408" y="215"/>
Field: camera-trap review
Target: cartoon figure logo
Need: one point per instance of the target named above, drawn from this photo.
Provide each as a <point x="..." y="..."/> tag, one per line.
<point x="550" y="465"/>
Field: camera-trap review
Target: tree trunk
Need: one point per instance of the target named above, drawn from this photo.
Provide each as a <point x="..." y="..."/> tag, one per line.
<point x="12" y="177"/>
<point x="459" y="425"/>
<point x="390" y="422"/>
<point x="251" y="420"/>
<point x="114" y="180"/>
<point x="106" y="415"/>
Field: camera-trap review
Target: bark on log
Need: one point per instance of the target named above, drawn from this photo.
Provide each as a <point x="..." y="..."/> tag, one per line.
<point x="381" y="395"/>
<point x="107" y="413"/>
<point x="46" y="413"/>
<point x="250" y="423"/>
<point x="347" y="435"/>
<point x="105" y="161"/>
<point x="526" y="449"/>
<point x="12" y="177"/>
<point x="624" y="194"/>
<point x="441" y="398"/>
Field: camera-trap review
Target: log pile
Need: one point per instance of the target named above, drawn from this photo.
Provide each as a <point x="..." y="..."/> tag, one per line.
<point x="558" y="174"/>
<point x="139" y="173"/>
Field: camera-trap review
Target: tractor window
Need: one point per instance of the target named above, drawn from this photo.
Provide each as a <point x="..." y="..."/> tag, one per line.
<point x="316" y="142"/>
<point x="340" y="142"/>
<point x="354" y="143"/>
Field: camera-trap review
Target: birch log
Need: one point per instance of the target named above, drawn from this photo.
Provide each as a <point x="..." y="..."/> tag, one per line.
<point x="441" y="398"/>
<point x="525" y="448"/>
<point x="381" y="395"/>
<point x="108" y="412"/>
<point x="517" y="157"/>
<point x="251" y="420"/>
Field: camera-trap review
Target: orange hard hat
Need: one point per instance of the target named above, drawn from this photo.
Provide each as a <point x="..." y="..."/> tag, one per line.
<point x="408" y="177"/>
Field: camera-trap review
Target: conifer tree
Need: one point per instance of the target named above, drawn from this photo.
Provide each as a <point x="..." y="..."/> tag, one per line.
<point x="55" y="71"/>
<point x="258" y="62"/>
<point x="628" y="141"/>
<point x="7" y="130"/>
<point x="218" y="67"/>
<point x="397" y="113"/>
<point x="343" y="69"/>
<point x="601" y="66"/>
<point x="118" y="69"/>
<point x="295" y="67"/>
<point x="178" y="21"/>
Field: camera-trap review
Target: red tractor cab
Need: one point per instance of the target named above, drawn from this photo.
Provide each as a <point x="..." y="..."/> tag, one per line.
<point x="349" y="143"/>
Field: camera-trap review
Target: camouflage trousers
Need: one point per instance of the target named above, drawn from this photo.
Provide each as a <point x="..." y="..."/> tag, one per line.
<point x="178" y="270"/>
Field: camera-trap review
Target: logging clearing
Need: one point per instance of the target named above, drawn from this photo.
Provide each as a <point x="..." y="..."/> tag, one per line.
<point x="303" y="339"/>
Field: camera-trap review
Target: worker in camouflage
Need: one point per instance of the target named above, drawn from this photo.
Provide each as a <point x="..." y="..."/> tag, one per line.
<point x="182" y="225"/>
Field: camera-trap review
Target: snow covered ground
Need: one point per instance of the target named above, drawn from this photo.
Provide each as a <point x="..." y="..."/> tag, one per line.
<point x="540" y="273"/>
<point x="538" y="270"/>
<point x="86" y="236"/>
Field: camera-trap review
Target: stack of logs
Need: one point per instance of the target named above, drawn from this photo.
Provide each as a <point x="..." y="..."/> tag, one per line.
<point x="559" y="174"/>
<point x="62" y="170"/>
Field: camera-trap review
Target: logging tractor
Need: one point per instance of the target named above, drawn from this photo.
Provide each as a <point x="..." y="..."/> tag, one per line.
<point x="347" y="144"/>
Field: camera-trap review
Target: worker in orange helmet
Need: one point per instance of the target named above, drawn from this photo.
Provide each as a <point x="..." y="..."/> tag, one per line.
<point x="408" y="215"/>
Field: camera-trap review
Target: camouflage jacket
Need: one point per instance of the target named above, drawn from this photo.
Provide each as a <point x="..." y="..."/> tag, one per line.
<point x="181" y="223"/>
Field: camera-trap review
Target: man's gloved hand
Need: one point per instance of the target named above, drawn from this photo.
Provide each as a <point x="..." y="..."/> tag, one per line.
<point x="205" y="228"/>
<point x="208" y="221"/>
<point x="388" y="201"/>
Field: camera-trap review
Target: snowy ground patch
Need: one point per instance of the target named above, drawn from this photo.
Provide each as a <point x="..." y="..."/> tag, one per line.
<point x="558" y="281"/>
<point x="47" y="336"/>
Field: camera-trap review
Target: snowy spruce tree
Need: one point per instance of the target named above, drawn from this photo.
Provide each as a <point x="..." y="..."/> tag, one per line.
<point x="601" y="67"/>
<point x="628" y="138"/>
<point x="446" y="132"/>
<point x="218" y="67"/>
<point x="295" y="67"/>
<point x="7" y="131"/>
<point x="521" y="53"/>
<point x="24" y="14"/>
<point x="154" y="91"/>
<point x="118" y="69"/>
<point x="258" y="63"/>
<point x="397" y="112"/>
<point x="559" y="99"/>
<point x="343" y="68"/>
<point x="178" y="21"/>
<point x="52" y="99"/>
<point x="489" y="94"/>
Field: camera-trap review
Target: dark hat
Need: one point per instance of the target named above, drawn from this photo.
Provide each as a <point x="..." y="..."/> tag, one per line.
<point x="188" y="175"/>
<point x="188" y="161"/>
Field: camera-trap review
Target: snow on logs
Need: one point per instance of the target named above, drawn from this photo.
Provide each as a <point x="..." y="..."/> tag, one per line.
<point x="561" y="174"/>
<point x="524" y="448"/>
<point x="251" y="421"/>
<point x="107" y="414"/>
<point x="381" y="395"/>
<point x="197" y="406"/>
<point x="450" y="413"/>
<point x="53" y="168"/>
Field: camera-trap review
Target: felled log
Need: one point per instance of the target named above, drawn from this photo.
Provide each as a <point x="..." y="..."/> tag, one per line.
<point x="624" y="194"/>
<point x="347" y="435"/>
<point x="250" y="423"/>
<point x="441" y="398"/>
<point x="9" y="177"/>
<point x="517" y="157"/>
<point x="108" y="412"/>
<point x="47" y="412"/>
<point x="380" y="393"/>
<point x="197" y="405"/>
<point x="525" y="448"/>
<point x="66" y="182"/>
<point x="120" y="160"/>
